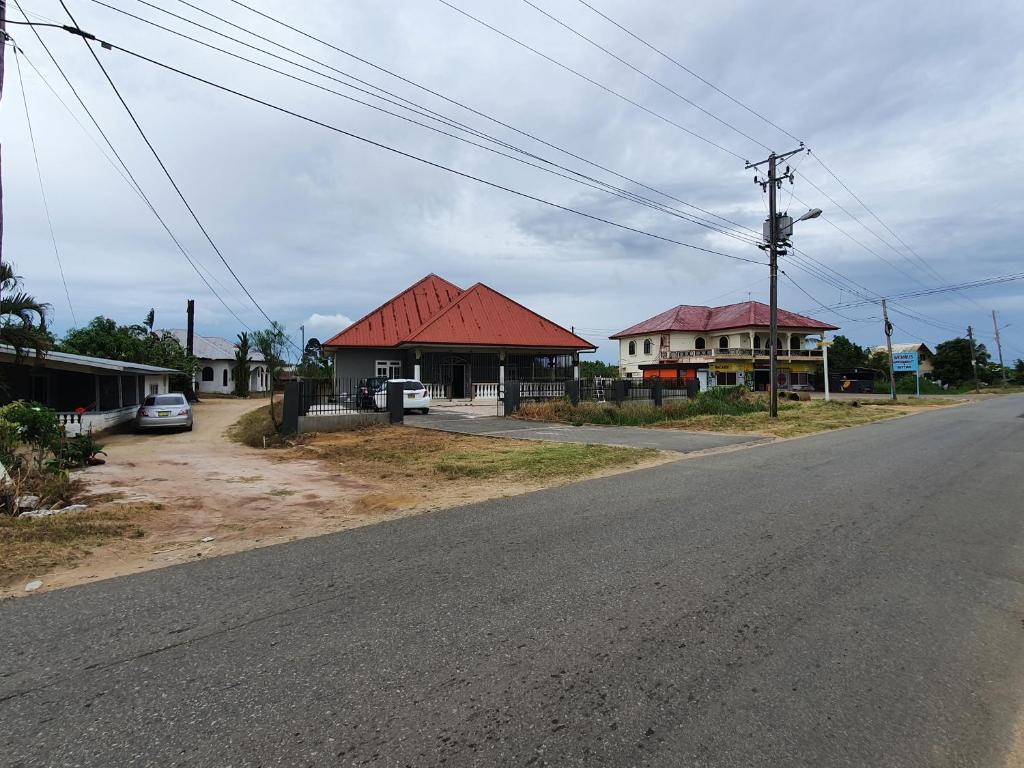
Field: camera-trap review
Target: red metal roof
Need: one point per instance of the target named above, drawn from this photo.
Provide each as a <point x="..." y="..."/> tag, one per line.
<point x="746" y="314"/>
<point x="395" y="320"/>
<point x="434" y="311"/>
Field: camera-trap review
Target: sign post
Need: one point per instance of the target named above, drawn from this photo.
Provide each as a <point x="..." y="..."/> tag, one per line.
<point x="904" y="362"/>
<point x="825" y="344"/>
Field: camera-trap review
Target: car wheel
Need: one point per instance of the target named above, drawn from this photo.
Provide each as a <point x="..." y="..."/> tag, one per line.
<point x="189" y="428"/>
<point x="425" y="411"/>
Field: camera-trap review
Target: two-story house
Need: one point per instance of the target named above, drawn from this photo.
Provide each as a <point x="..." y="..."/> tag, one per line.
<point x="721" y="346"/>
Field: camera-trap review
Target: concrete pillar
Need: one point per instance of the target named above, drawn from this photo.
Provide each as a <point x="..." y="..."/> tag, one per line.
<point x="417" y="365"/>
<point x="575" y="367"/>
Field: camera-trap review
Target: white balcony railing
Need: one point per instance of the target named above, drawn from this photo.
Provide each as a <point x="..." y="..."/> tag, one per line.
<point x="710" y="354"/>
<point x="436" y="391"/>
<point x="486" y="391"/>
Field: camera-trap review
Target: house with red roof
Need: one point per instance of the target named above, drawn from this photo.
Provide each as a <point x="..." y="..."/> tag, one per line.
<point x="721" y="346"/>
<point x="462" y="343"/>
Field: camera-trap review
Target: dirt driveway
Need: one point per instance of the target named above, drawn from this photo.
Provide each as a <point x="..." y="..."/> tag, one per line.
<point x="211" y="488"/>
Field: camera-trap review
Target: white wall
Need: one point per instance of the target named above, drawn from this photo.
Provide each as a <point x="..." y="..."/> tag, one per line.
<point x="158" y="384"/>
<point x="629" y="365"/>
<point x="224" y="377"/>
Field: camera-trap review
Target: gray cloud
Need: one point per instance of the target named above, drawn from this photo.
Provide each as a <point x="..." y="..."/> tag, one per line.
<point x="917" y="107"/>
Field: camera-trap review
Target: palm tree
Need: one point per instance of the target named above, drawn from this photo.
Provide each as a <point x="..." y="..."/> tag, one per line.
<point x="22" y="316"/>
<point x="242" y="349"/>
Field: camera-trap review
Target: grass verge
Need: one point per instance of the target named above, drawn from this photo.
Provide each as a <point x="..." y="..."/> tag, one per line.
<point x="256" y="428"/>
<point x="33" y="547"/>
<point x="442" y="458"/>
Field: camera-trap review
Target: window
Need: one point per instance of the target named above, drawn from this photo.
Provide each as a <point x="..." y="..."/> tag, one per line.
<point x="413" y="386"/>
<point x="390" y="368"/>
<point x="207" y="373"/>
<point x="723" y="343"/>
<point x="648" y="346"/>
<point x="154" y="389"/>
<point x="165" y="400"/>
<point x="757" y="341"/>
<point x="794" y="342"/>
<point x="726" y="379"/>
<point x="699" y="343"/>
<point x="224" y="377"/>
<point x="632" y="347"/>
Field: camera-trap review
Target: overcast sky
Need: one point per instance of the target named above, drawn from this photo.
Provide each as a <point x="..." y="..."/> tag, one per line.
<point x="918" y="107"/>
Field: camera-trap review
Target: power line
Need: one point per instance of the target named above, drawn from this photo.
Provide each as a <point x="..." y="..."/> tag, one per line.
<point x="583" y="179"/>
<point x="42" y="189"/>
<point x="983" y="282"/>
<point x="163" y="167"/>
<point x="590" y="80"/>
<point x="689" y="71"/>
<point x="137" y="186"/>
<point x="643" y="74"/>
<point x="411" y="156"/>
<point x="442" y="96"/>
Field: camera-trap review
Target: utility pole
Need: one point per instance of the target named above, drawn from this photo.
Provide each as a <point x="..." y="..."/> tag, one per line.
<point x="888" y="345"/>
<point x="774" y="236"/>
<point x="974" y="359"/>
<point x="190" y="326"/>
<point x="3" y="47"/>
<point x="303" y="329"/>
<point x="999" y="346"/>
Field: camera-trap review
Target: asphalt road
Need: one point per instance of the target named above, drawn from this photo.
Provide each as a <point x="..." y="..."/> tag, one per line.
<point x="851" y="599"/>
<point x="636" y="437"/>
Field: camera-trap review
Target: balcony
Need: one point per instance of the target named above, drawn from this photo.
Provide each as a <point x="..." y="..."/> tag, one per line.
<point x="736" y="353"/>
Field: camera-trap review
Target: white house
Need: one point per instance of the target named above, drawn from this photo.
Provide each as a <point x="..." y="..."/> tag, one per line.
<point x="216" y="358"/>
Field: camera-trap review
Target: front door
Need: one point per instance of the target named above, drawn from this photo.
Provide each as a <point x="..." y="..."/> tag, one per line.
<point x="458" y="381"/>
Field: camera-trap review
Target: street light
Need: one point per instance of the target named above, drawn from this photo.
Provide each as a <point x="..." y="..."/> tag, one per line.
<point x="811" y="214"/>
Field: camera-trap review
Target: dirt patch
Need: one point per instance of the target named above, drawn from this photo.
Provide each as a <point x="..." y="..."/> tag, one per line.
<point x="208" y="495"/>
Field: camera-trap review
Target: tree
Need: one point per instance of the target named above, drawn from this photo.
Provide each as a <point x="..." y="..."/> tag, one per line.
<point x="845" y="354"/>
<point x="591" y="369"/>
<point x="136" y="343"/>
<point x="952" y="364"/>
<point x="313" y="364"/>
<point x="242" y="350"/>
<point x="22" y="316"/>
<point x="879" y="361"/>
<point x="1018" y="371"/>
<point x="271" y="343"/>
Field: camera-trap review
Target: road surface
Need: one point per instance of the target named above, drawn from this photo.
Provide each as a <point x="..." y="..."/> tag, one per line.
<point x="847" y="599"/>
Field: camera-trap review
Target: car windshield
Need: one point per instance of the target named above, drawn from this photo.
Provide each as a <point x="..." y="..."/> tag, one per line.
<point x="415" y="386"/>
<point x="165" y="400"/>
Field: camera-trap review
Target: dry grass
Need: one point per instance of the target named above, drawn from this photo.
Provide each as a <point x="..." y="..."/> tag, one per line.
<point x="806" y="417"/>
<point x="33" y="547"/>
<point x="428" y="457"/>
<point x="256" y="428"/>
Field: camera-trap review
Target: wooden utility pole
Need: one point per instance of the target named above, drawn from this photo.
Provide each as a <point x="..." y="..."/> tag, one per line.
<point x="190" y="326"/>
<point x="999" y="346"/>
<point x="888" y="345"/>
<point x="974" y="359"/>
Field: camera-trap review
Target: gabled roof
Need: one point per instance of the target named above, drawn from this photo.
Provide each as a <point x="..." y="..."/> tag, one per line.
<point x="211" y="347"/>
<point x="482" y="316"/>
<point x="399" y="317"/>
<point x="913" y="346"/>
<point x="747" y="314"/>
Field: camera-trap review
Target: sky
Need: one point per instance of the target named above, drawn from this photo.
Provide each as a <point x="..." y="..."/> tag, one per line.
<point x="916" y="108"/>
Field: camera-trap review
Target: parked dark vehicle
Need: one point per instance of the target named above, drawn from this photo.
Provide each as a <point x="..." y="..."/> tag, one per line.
<point x="853" y="380"/>
<point x="367" y="390"/>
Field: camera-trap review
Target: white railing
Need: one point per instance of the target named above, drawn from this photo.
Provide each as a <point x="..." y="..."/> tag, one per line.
<point x="437" y="391"/>
<point x="682" y="354"/>
<point x="485" y="391"/>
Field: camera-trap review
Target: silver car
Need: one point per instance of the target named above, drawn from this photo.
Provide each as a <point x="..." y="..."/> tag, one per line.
<point x="171" y="411"/>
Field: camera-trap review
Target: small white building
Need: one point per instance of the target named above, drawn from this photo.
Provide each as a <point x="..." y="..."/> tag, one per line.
<point x="216" y="358"/>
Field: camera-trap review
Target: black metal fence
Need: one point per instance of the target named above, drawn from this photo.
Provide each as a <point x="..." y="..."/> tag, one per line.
<point x="329" y="396"/>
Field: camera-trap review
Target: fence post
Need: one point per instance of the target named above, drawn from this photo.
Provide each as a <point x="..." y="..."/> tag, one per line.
<point x="512" y="393"/>
<point x="290" y="415"/>
<point x="572" y="389"/>
<point x="396" y="402"/>
<point x="619" y="391"/>
<point x="692" y="388"/>
<point x="656" y="392"/>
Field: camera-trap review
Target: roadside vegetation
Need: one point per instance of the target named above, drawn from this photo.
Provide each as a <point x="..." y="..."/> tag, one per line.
<point x="729" y="409"/>
<point x="32" y="547"/>
<point x="420" y="458"/>
<point x="257" y="429"/>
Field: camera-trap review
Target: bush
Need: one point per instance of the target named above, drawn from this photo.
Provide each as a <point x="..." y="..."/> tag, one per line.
<point x="719" y="401"/>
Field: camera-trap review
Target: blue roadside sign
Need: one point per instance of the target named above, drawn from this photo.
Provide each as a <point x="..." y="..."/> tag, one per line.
<point x="904" y="361"/>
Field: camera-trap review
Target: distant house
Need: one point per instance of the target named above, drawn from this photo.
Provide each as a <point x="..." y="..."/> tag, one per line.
<point x="926" y="358"/>
<point x="216" y="358"/>
<point x="461" y="343"/>
<point x="721" y="346"/>
<point x="88" y="393"/>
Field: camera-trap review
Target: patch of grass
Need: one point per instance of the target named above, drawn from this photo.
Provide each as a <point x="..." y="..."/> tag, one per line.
<point x="801" y="418"/>
<point x="427" y="455"/>
<point x="31" y="547"/>
<point x="281" y="492"/>
<point x="256" y="428"/>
